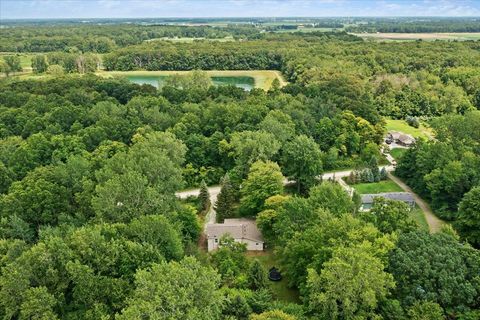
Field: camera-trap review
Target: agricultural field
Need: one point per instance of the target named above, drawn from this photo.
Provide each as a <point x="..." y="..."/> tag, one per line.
<point x="423" y="36"/>
<point x="262" y="78"/>
<point x="402" y="126"/>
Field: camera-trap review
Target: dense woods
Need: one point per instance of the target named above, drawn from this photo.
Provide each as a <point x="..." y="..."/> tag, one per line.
<point x="90" y="224"/>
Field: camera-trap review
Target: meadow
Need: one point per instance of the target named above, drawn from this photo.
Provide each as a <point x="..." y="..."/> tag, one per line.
<point x="458" y="36"/>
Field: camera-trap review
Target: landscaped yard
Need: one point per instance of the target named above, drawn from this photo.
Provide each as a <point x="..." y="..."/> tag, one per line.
<point x="377" y="187"/>
<point x="402" y="126"/>
<point x="279" y="288"/>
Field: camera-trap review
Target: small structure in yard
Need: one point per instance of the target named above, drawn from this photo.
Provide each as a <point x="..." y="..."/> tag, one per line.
<point x="400" y="138"/>
<point x="274" y="274"/>
<point x="369" y="199"/>
<point x="241" y="230"/>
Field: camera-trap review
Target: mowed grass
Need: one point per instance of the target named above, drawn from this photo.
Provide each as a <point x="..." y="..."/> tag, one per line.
<point x="263" y="78"/>
<point x="402" y="126"/>
<point x="418" y="216"/>
<point x="397" y="153"/>
<point x="377" y="187"/>
<point x="279" y="288"/>
<point x="25" y="59"/>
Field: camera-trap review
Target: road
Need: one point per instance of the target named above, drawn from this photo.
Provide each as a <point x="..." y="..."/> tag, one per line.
<point x="434" y="223"/>
<point x="215" y="190"/>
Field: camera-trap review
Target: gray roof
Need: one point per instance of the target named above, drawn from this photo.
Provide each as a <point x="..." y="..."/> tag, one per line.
<point x="237" y="228"/>
<point x="400" y="196"/>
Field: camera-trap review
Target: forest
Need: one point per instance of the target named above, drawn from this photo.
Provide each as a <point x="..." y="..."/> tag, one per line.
<point x="91" y="226"/>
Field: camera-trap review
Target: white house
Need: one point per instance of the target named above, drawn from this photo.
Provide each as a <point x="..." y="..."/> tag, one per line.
<point x="241" y="230"/>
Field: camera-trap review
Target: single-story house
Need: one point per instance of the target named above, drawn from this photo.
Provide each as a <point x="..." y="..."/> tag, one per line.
<point x="400" y="138"/>
<point x="368" y="199"/>
<point x="241" y="230"/>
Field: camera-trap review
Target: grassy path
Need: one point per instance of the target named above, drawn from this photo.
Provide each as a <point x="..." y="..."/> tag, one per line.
<point x="434" y="223"/>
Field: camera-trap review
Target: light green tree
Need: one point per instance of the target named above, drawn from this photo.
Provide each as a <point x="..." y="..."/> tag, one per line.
<point x="350" y="285"/>
<point x="183" y="290"/>
<point x="264" y="180"/>
<point x="257" y="276"/>
<point x="302" y="161"/>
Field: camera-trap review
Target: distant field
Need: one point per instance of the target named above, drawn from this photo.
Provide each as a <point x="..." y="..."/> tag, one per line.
<point x="415" y="36"/>
<point x="402" y="126"/>
<point x="263" y="78"/>
<point x="25" y="59"/>
<point x="377" y="187"/>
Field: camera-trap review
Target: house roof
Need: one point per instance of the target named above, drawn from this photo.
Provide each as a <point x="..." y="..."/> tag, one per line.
<point x="237" y="228"/>
<point x="402" y="137"/>
<point x="400" y="196"/>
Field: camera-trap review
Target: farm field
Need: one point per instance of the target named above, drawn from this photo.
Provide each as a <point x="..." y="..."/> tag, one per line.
<point x="377" y="187"/>
<point x="262" y="78"/>
<point x="415" y="36"/>
<point x="402" y="126"/>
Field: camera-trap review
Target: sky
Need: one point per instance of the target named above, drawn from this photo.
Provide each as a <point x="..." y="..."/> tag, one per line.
<point x="42" y="9"/>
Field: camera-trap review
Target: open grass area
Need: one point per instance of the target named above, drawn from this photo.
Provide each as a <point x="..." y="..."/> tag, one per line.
<point x="397" y="153"/>
<point x="458" y="36"/>
<point x="402" y="126"/>
<point x="279" y="288"/>
<point x="25" y="59"/>
<point x="263" y="78"/>
<point x="377" y="187"/>
<point x="190" y="40"/>
<point x="419" y="217"/>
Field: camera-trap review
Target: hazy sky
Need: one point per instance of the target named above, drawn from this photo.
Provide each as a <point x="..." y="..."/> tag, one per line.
<point x="14" y="9"/>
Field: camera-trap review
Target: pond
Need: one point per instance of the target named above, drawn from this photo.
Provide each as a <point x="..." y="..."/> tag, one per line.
<point x="246" y="83"/>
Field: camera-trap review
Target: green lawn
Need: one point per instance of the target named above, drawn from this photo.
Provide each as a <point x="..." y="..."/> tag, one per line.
<point x="377" y="187"/>
<point x="279" y="288"/>
<point x="419" y="217"/>
<point x="402" y="126"/>
<point x="397" y="153"/>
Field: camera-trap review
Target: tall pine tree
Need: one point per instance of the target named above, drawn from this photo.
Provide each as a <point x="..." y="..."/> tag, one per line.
<point x="257" y="276"/>
<point x="225" y="200"/>
<point x="204" y="197"/>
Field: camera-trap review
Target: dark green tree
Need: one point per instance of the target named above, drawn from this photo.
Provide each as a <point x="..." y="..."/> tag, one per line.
<point x="469" y="216"/>
<point x="39" y="63"/>
<point x="225" y="200"/>
<point x="257" y="276"/>
<point x="203" y="197"/>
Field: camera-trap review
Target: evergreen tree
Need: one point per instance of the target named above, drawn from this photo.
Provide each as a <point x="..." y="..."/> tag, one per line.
<point x="383" y="174"/>
<point x="225" y="200"/>
<point x="257" y="276"/>
<point x="204" y="197"/>
<point x="373" y="166"/>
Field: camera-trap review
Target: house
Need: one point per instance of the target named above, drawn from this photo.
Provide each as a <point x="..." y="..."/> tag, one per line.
<point x="368" y="199"/>
<point x="399" y="138"/>
<point x="241" y="230"/>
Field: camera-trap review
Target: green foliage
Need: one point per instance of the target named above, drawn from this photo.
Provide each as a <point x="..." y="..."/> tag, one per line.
<point x="264" y="180"/>
<point x="204" y="197"/>
<point x="469" y="216"/>
<point x="11" y="64"/>
<point x="184" y="290"/>
<point x="39" y="63"/>
<point x="390" y="216"/>
<point x="350" y="285"/>
<point x="229" y="260"/>
<point x="425" y="310"/>
<point x="302" y="161"/>
<point x="224" y="206"/>
<point x="436" y="268"/>
<point x="332" y="197"/>
<point x="257" y="276"/>
<point x="272" y="315"/>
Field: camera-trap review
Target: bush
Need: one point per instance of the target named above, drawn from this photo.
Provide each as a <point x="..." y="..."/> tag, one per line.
<point x="413" y="121"/>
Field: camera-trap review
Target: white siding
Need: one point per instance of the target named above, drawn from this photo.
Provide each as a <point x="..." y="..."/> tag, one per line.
<point x="251" y="245"/>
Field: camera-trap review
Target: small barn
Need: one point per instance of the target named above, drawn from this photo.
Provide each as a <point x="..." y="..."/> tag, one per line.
<point x="241" y="230"/>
